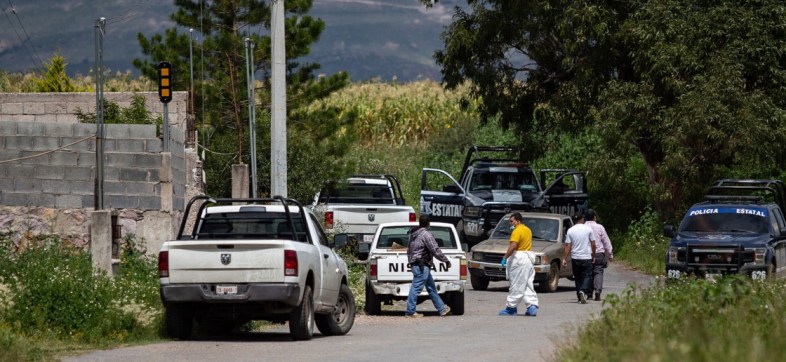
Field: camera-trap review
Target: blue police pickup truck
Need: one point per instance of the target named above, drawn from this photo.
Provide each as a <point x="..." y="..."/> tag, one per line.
<point x="739" y="228"/>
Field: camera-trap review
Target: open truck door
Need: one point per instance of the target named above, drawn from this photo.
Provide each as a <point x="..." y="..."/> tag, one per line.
<point x="565" y="190"/>
<point x="441" y="196"/>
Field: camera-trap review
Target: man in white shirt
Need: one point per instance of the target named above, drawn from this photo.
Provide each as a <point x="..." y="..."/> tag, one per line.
<point x="580" y="244"/>
<point x="604" y="253"/>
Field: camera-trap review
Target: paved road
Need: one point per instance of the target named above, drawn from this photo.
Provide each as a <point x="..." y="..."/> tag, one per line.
<point x="479" y="335"/>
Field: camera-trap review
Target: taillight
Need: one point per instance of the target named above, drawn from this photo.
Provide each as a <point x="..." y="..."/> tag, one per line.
<point x="411" y="217"/>
<point x="373" y="269"/>
<point x="463" y="269"/>
<point x="329" y="220"/>
<point x="290" y="263"/>
<point x="163" y="264"/>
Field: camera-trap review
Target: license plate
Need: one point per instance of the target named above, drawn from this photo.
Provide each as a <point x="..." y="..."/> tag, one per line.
<point x="368" y="238"/>
<point x="226" y="289"/>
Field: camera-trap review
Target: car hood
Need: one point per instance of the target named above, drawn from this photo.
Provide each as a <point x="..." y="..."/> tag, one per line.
<point x="501" y="245"/>
<point x="698" y="239"/>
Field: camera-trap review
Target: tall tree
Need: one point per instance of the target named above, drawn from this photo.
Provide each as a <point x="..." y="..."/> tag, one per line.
<point x="692" y="87"/>
<point x="220" y="26"/>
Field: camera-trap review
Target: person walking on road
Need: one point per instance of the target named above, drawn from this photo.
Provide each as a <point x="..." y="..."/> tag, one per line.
<point x="421" y="251"/>
<point x="580" y="244"/>
<point x="604" y="254"/>
<point x="521" y="271"/>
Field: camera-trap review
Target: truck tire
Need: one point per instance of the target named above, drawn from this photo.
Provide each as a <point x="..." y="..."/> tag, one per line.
<point x="456" y="303"/>
<point x="301" y="319"/>
<point x="478" y="282"/>
<point x="551" y="284"/>
<point x="179" y="321"/>
<point x="341" y="320"/>
<point x="373" y="302"/>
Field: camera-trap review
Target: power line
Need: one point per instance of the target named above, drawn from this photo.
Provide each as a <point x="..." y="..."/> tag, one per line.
<point x="22" y="41"/>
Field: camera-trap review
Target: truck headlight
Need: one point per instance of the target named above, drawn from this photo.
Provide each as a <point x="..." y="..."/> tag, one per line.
<point x="541" y="259"/>
<point x="472" y="211"/>
<point x="477" y="256"/>
<point x="674" y="252"/>
<point x="759" y="255"/>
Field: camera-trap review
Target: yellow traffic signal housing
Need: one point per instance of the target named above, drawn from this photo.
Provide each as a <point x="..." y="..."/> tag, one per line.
<point x="164" y="82"/>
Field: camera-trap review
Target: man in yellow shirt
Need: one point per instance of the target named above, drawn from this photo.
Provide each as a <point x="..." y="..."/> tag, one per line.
<point x="521" y="271"/>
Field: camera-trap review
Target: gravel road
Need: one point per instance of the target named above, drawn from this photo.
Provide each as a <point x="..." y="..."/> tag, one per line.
<point x="478" y="335"/>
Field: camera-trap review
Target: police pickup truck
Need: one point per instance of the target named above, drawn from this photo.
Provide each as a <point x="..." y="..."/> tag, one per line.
<point x="739" y="228"/>
<point x="253" y="259"/>
<point x="388" y="274"/>
<point x="492" y="187"/>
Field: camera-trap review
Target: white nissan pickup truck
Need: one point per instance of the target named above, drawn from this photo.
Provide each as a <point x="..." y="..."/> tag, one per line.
<point x="241" y="262"/>
<point x="357" y="205"/>
<point x="389" y="276"/>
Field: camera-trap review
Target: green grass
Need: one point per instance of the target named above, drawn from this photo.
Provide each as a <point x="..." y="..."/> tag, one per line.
<point x="735" y="319"/>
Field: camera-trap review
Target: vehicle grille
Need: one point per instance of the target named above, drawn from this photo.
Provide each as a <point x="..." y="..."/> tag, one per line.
<point x="495" y="272"/>
<point x="715" y="256"/>
<point x="492" y="258"/>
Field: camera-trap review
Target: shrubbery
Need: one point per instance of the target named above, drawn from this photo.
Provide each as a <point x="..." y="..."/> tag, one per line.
<point x="50" y="289"/>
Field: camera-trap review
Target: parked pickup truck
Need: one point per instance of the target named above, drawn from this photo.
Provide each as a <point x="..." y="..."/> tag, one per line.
<point x="357" y="205"/>
<point x="388" y="275"/>
<point x="739" y="228"/>
<point x="243" y="262"/>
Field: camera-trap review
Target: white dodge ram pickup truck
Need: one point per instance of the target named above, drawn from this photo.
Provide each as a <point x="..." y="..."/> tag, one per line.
<point x="389" y="276"/>
<point x="357" y="205"/>
<point x="242" y="262"/>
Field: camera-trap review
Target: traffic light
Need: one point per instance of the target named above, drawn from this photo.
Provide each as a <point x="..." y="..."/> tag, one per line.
<point x="165" y="82"/>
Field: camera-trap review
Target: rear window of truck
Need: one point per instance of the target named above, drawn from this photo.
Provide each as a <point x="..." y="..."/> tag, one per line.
<point x="251" y="225"/>
<point x="357" y="194"/>
<point x="398" y="237"/>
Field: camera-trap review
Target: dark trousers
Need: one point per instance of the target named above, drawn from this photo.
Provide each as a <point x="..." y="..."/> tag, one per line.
<point x="597" y="272"/>
<point x="582" y="273"/>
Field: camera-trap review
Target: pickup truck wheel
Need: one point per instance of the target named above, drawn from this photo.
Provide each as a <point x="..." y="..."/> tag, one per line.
<point x="179" y="321"/>
<point x="552" y="283"/>
<point x="301" y="319"/>
<point x="456" y="303"/>
<point x="478" y="282"/>
<point x="341" y="320"/>
<point x="373" y="303"/>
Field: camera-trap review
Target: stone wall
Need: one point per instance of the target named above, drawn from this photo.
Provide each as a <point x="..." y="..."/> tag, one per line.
<point x="48" y="168"/>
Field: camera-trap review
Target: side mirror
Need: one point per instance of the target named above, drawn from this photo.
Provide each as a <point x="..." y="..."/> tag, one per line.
<point x="340" y="241"/>
<point x="783" y="231"/>
<point x="465" y="246"/>
<point x="363" y="250"/>
<point x="668" y="230"/>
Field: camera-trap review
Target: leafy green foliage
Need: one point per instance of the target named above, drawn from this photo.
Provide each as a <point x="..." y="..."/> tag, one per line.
<point x="686" y="87"/>
<point x="643" y="245"/>
<point x="136" y="113"/>
<point x="735" y="319"/>
<point x="52" y="289"/>
<point x="55" y="78"/>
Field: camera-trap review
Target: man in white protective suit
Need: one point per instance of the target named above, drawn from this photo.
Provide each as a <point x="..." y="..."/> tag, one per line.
<point x="521" y="272"/>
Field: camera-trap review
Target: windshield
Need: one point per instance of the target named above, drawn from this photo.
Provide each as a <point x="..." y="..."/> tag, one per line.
<point x="344" y="193"/>
<point x="542" y="229"/>
<point x="520" y="181"/>
<point x="725" y="219"/>
<point x="397" y="237"/>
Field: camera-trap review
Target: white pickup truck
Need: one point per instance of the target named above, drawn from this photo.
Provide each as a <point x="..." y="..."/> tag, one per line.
<point x="357" y="205"/>
<point x="242" y="262"/>
<point x="388" y="275"/>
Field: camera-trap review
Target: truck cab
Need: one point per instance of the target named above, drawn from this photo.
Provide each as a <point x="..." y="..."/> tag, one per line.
<point x="491" y="187"/>
<point x="738" y="229"/>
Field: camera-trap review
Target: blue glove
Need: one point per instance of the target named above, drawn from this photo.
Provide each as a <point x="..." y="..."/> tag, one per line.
<point x="504" y="262"/>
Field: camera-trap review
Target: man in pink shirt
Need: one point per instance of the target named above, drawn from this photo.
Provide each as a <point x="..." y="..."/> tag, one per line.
<point x="603" y="251"/>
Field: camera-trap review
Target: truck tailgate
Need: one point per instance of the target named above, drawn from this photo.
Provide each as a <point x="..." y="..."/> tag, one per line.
<point x="226" y="261"/>
<point x="393" y="267"/>
<point x="365" y="218"/>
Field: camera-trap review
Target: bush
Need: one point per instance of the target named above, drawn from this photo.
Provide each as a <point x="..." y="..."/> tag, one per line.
<point x="52" y="289"/>
<point x="643" y="244"/>
<point x="735" y="319"/>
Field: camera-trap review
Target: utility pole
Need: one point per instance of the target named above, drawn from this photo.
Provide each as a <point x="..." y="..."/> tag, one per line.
<point x="191" y="110"/>
<point x="100" y="29"/>
<point x="252" y="127"/>
<point x="278" y="124"/>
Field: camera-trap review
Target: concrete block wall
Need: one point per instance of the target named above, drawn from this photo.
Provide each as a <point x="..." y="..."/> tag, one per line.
<point x="34" y="172"/>
<point x="62" y="107"/>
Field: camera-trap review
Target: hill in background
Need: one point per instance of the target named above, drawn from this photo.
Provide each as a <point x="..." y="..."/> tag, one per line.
<point x="369" y="38"/>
